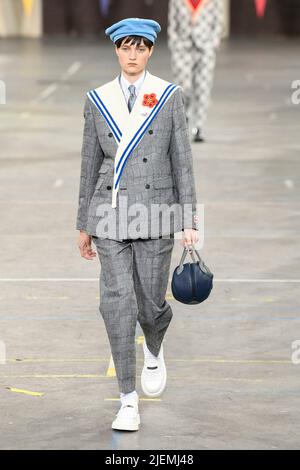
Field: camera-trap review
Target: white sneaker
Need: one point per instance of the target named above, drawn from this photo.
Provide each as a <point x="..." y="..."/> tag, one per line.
<point x="154" y="373"/>
<point x="127" y="418"/>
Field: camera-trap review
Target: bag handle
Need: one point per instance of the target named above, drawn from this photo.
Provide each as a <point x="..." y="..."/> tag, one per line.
<point x="202" y="265"/>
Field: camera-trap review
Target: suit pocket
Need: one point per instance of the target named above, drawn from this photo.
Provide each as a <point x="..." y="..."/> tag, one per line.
<point x="102" y="175"/>
<point x="166" y="182"/>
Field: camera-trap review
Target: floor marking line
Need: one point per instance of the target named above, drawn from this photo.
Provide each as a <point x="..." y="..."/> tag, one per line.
<point x="92" y="279"/>
<point x="218" y="360"/>
<point x="54" y="85"/>
<point x="25" y="392"/>
<point x="48" y="91"/>
<point x="111" y="371"/>
<point x="71" y="70"/>
<point x="42" y="360"/>
<point x="140" y="399"/>
<point x="54" y="376"/>
<point x="99" y="376"/>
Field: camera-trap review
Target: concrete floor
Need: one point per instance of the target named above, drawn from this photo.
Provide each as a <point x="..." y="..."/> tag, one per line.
<point x="231" y="382"/>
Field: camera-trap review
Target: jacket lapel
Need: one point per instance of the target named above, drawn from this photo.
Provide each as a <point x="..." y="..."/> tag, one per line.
<point x="110" y="102"/>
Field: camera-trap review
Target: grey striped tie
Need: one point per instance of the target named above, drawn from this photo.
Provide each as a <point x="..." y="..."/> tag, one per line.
<point x="132" y="97"/>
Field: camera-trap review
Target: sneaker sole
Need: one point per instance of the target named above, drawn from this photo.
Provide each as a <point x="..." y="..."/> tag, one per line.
<point x="125" y="426"/>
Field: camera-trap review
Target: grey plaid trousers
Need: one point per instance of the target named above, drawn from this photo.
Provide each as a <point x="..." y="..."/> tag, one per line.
<point x="133" y="284"/>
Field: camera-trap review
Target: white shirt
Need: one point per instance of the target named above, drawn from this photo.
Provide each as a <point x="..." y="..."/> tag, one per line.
<point x="125" y="84"/>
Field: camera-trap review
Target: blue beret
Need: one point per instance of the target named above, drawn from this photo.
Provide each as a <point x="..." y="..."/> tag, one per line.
<point x="134" y="26"/>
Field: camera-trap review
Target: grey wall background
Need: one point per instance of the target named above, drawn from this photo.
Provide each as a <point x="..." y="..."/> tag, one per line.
<point x="281" y="17"/>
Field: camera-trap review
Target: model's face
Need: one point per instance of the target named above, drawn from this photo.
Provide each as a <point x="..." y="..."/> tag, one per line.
<point x="133" y="58"/>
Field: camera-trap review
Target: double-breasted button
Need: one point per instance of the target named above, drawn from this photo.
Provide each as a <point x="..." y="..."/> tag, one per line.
<point x="147" y="186"/>
<point x="108" y="187"/>
<point x="110" y="134"/>
<point x="145" y="159"/>
<point x="151" y="131"/>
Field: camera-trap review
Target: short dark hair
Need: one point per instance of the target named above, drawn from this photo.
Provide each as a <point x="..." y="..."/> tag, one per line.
<point x="135" y="40"/>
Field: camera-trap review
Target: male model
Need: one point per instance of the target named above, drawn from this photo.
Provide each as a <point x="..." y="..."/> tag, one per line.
<point x="136" y="158"/>
<point x="194" y="34"/>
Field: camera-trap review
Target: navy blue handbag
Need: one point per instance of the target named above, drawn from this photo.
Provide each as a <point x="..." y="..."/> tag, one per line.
<point x="191" y="282"/>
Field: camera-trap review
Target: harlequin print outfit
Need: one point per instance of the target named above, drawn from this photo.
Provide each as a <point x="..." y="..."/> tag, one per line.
<point x="194" y="33"/>
<point x="135" y="145"/>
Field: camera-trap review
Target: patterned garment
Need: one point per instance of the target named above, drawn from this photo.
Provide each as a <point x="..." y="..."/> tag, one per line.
<point x="159" y="172"/>
<point x="133" y="284"/>
<point x="194" y="33"/>
<point x="195" y="4"/>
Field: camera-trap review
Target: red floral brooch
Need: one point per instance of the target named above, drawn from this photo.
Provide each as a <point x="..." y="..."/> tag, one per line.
<point x="150" y="100"/>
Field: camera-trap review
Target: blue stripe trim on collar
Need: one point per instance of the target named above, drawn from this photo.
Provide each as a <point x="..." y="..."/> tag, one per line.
<point x="145" y="123"/>
<point x="106" y="114"/>
<point x="139" y="134"/>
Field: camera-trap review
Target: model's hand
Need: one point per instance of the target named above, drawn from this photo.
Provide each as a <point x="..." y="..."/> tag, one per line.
<point x="189" y="237"/>
<point x="85" y="246"/>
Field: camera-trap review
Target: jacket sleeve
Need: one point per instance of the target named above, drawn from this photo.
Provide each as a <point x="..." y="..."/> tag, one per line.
<point x="91" y="160"/>
<point x="182" y="163"/>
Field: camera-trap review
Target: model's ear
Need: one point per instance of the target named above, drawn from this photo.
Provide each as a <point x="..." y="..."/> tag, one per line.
<point x="151" y="51"/>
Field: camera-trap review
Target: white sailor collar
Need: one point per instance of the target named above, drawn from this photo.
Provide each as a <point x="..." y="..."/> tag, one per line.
<point x="129" y="128"/>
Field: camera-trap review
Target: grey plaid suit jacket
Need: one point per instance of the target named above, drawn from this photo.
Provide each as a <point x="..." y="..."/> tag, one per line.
<point x="158" y="171"/>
